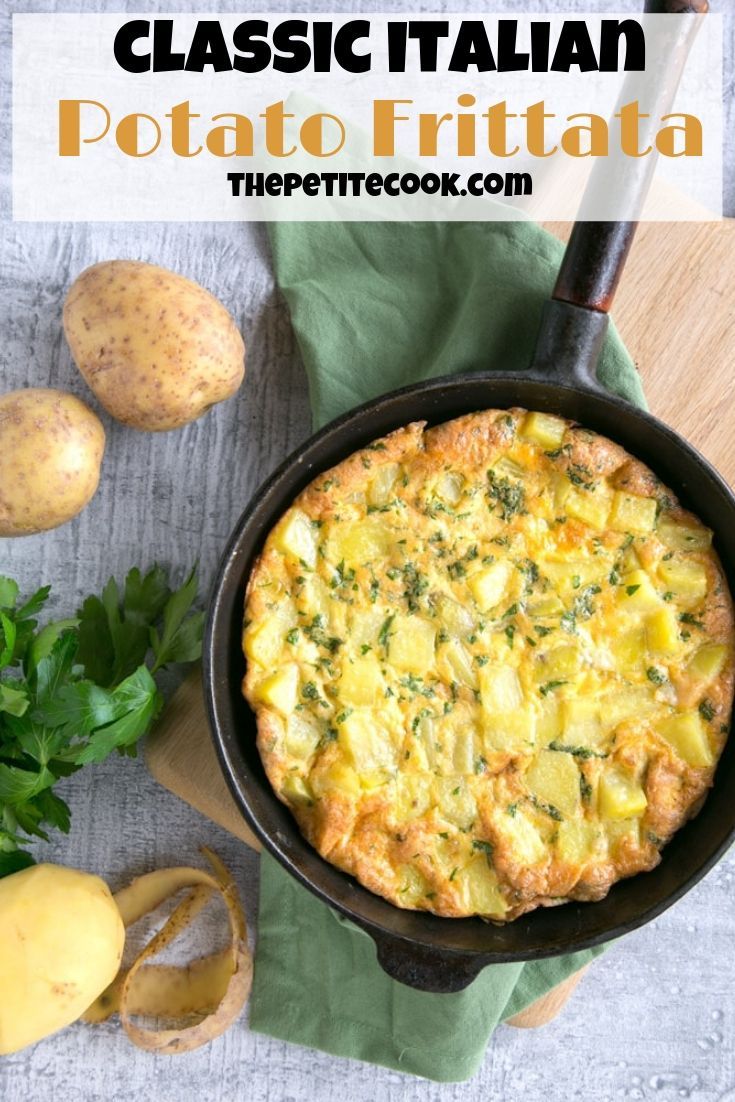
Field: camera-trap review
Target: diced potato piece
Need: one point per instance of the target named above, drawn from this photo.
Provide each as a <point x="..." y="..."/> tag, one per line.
<point x="630" y="560"/>
<point x="628" y="648"/>
<point x="264" y="642"/>
<point x="315" y="599"/>
<point x="662" y="632"/>
<point x="558" y="664"/>
<point x="547" y="604"/>
<point x="449" y="487"/>
<point x="528" y="845"/>
<point x="636" y="593"/>
<point x="546" y="430"/>
<point x="381" y="486"/>
<point x="478" y="884"/>
<point x="369" y="745"/>
<point x="281" y="689"/>
<point x="680" y="536"/>
<point x="582" y="721"/>
<point x="302" y="736"/>
<point x="512" y="731"/>
<point x="365" y="625"/>
<point x="358" y="543"/>
<point x="562" y="488"/>
<point x="500" y="689"/>
<point x="412" y="886"/>
<point x="590" y="506"/>
<point x="296" y="790"/>
<point x="549" y="720"/>
<point x="454" y="800"/>
<point x="632" y="513"/>
<point x="490" y="585"/>
<point x="296" y="537"/>
<point x="554" y="778"/>
<point x="414" y="796"/>
<point x="454" y="617"/>
<point x="411" y="644"/>
<point x="509" y="468"/>
<point x="708" y="662"/>
<point x="576" y="840"/>
<point x="361" y="681"/>
<point x="620" y="796"/>
<point x="463" y="756"/>
<point x="687" y="579"/>
<point x="629" y="702"/>
<point x="455" y="664"/>
<point x="339" y="777"/>
<point x="688" y="735"/>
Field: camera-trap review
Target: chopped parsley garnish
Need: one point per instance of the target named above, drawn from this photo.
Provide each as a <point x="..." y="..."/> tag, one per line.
<point x="550" y="686"/>
<point x="583" y="752"/>
<point x="385" y="633"/>
<point x="688" y="618"/>
<point x="416" y="584"/>
<point x="482" y="846"/>
<point x="293" y="636"/>
<point x="548" y="809"/>
<point x="506" y="495"/>
<point x="655" y="675"/>
<point x="510" y="633"/>
<point x="342" y="576"/>
<point x="631" y="589"/>
<point x="316" y="633"/>
<point x="585" y="788"/>
<point x="707" y="711"/>
<point x="364" y="648"/>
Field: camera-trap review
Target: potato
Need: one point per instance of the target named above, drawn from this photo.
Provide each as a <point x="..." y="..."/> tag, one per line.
<point x="61" y="945"/>
<point x="51" y="448"/>
<point x="156" y="349"/>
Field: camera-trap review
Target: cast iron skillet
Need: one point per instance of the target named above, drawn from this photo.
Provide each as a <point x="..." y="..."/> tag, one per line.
<point x="420" y="949"/>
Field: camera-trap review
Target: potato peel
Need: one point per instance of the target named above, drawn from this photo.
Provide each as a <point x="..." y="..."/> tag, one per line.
<point x="217" y="985"/>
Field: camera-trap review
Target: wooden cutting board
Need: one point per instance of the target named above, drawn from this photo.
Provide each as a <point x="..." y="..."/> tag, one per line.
<point x="676" y="313"/>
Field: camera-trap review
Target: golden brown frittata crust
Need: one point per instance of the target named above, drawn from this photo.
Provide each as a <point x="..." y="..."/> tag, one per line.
<point x="491" y="662"/>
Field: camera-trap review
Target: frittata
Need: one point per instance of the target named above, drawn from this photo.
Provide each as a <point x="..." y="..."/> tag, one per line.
<point x="491" y="662"/>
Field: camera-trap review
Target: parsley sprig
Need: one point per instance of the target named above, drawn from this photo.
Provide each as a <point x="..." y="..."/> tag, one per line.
<point x="78" y="688"/>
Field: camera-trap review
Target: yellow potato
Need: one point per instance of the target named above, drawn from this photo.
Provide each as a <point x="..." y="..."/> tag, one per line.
<point x="51" y="448"/>
<point x="157" y="349"/>
<point x="61" y="945"/>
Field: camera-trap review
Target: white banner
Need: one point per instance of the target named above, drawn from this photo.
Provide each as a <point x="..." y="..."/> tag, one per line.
<point x="431" y="117"/>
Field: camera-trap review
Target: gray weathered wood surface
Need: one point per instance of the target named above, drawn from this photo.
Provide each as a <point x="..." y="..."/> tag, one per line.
<point x="652" y="1020"/>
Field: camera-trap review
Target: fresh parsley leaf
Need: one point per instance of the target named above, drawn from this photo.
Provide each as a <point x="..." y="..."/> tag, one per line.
<point x="8" y="592"/>
<point x="181" y="640"/>
<point x="137" y="703"/>
<point x="81" y="687"/>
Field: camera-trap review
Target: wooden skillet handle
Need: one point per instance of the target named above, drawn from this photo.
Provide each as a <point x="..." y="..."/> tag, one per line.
<point x="574" y="321"/>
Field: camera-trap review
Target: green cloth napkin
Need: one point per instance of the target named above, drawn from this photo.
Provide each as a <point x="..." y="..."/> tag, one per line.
<point x="376" y="306"/>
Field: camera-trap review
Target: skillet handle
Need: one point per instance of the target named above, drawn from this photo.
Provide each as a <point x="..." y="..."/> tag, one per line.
<point x="425" y="969"/>
<point x="574" y="321"/>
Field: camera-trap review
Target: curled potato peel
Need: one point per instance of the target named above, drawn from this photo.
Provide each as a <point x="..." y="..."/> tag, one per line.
<point x="217" y="985"/>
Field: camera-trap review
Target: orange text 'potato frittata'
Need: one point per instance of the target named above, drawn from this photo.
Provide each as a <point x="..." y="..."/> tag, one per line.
<point x="491" y="662"/>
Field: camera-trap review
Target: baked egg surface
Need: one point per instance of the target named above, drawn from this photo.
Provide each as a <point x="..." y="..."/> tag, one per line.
<point x="491" y="664"/>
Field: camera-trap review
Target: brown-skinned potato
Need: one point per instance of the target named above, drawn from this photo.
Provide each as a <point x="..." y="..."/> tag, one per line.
<point x="51" y="447"/>
<point x="156" y="349"/>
